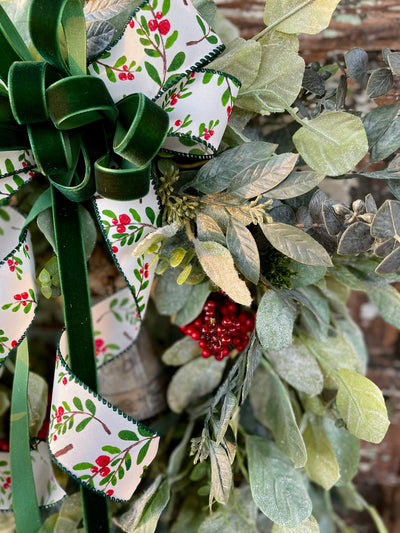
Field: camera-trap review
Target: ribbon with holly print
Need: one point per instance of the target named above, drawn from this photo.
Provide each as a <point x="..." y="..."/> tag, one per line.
<point x="99" y="132"/>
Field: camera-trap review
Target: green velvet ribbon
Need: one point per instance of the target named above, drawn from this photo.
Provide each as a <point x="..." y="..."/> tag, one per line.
<point x="78" y="135"/>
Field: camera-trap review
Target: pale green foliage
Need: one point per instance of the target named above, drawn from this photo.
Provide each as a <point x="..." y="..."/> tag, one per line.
<point x="332" y="143"/>
<point x="277" y="487"/>
<point x="299" y="16"/>
<point x="308" y="526"/>
<point x="321" y="466"/>
<point x="361" y="405"/>
<point x="217" y="263"/>
<point x="274" y="322"/>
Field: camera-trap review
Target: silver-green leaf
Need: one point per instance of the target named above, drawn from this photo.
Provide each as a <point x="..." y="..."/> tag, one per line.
<point x="244" y="249"/>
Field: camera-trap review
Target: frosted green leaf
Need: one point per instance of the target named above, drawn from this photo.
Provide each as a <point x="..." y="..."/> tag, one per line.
<point x="299" y="16"/>
<point x="153" y="509"/>
<point x="181" y="352"/>
<point x="336" y="352"/>
<point x="272" y="407"/>
<point x="274" y="322"/>
<point x="296" y="184"/>
<point x="332" y="143"/>
<point x="296" y="244"/>
<point x="154" y="238"/>
<point x="217" y="263"/>
<point x="347" y="450"/>
<point x="194" y="304"/>
<point x="208" y="229"/>
<point x="361" y="405"/>
<point x="308" y="526"/>
<point x="263" y="177"/>
<point x="386" y="298"/>
<point x="296" y="365"/>
<point x="321" y="466"/>
<point x="244" y="249"/>
<point x="279" y="78"/>
<point x="193" y="380"/>
<point x="241" y="59"/>
<point x="221" y="474"/>
<point x="277" y="487"/>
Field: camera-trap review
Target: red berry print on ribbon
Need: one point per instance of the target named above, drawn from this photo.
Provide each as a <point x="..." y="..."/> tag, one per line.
<point x="221" y="327"/>
<point x="23" y="300"/>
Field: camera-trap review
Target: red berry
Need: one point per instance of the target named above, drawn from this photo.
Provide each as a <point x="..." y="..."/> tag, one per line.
<point x="104" y="471"/>
<point x="209" y="305"/>
<point x="164" y="26"/>
<point x="205" y="353"/>
<point x="10" y="262"/>
<point x="114" y="221"/>
<point x="211" y="132"/>
<point x="226" y="322"/>
<point x="110" y="492"/>
<point x="131" y="76"/>
<point x="231" y="307"/>
<point x="192" y="74"/>
<point x="178" y="123"/>
<point x="225" y="351"/>
<point x="24" y="295"/>
<point x="5" y="486"/>
<point x="60" y="411"/>
<point x="132" y="23"/>
<point x="195" y="335"/>
<point x="197" y="323"/>
<point x="124" y="219"/>
<point x="122" y="76"/>
<point x="174" y="101"/>
<point x="8" y="479"/>
<point x="55" y="437"/>
<point x="202" y="343"/>
<point x="114" y="249"/>
<point x="228" y="111"/>
<point x="152" y="25"/>
<point x="17" y="297"/>
<point x="225" y="340"/>
<point x="121" y="228"/>
<point x="219" y="356"/>
<point x="94" y="469"/>
<point x="13" y="344"/>
<point x="146" y="274"/>
<point x="24" y="164"/>
<point x="158" y="15"/>
<point x="125" y="67"/>
<point x="26" y="247"/>
<point x="64" y="380"/>
<point x="23" y="304"/>
<point x="102" y="460"/>
<point x="12" y="268"/>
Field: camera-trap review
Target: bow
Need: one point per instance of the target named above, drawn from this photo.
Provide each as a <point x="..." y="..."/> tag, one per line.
<point x="95" y="132"/>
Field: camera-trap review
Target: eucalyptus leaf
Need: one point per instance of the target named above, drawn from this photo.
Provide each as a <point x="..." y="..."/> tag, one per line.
<point x="346" y="448"/>
<point x="181" y="352"/>
<point x="130" y="519"/>
<point x="357" y="63"/>
<point x="194" y="304"/>
<point x="380" y="82"/>
<point x="388" y="143"/>
<point x="217" y="263"/>
<point x="274" y="322"/>
<point x="336" y="353"/>
<point x="308" y="526"/>
<point x="279" y="78"/>
<point x="356" y="239"/>
<point x="220" y="426"/>
<point x="387" y="300"/>
<point x="321" y="466"/>
<point x="306" y="274"/>
<point x="333" y="223"/>
<point x="390" y="264"/>
<point x="253" y="356"/>
<point x="248" y="159"/>
<point x="169" y="296"/>
<point x="361" y="405"/>
<point x="332" y="143"/>
<point x="386" y="223"/>
<point x="260" y="179"/>
<point x="296" y="365"/>
<point x="296" y="244"/>
<point x="299" y="16"/>
<point x="192" y="381"/>
<point x="208" y="229"/>
<point x="221" y="474"/>
<point x="277" y="487"/>
<point x="99" y="35"/>
<point x="244" y="250"/>
<point x="272" y="407"/>
<point x="296" y="184"/>
<point x="377" y="121"/>
<point x="313" y="82"/>
<point x="241" y="59"/>
<point x="394" y="62"/>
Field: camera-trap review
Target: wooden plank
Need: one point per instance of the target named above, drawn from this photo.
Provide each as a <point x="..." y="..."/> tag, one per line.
<point x="370" y="24"/>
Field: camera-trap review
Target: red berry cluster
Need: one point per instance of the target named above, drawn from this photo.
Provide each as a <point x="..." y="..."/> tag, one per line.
<point x="126" y="75"/>
<point x="7" y="483"/>
<point x="12" y="263"/>
<point x="22" y="298"/>
<point x="121" y="222"/>
<point x="221" y="327"/>
<point x="102" y="461"/>
<point x="174" y="98"/>
<point x="163" y="26"/>
<point x="208" y="133"/>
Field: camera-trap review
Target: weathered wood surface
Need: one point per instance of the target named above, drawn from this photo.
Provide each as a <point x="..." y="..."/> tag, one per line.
<point x="372" y="25"/>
